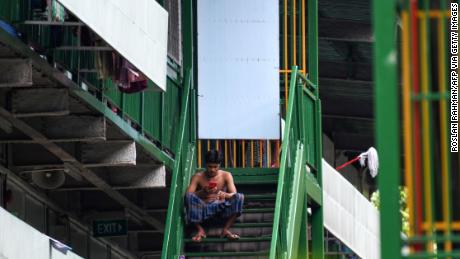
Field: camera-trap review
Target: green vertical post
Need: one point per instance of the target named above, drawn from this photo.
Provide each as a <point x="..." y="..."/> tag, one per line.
<point x="303" y="237"/>
<point x="187" y="35"/>
<point x="387" y="125"/>
<point x="317" y="224"/>
<point x="142" y="117"/>
<point x="162" y="120"/>
<point x="188" y="60"/>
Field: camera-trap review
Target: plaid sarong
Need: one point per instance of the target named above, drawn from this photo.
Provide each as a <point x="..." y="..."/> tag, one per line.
<point x="198" y="211"/>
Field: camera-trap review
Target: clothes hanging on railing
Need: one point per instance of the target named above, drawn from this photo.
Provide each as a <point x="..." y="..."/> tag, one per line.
<point x="57" y="15"/>
<point x="57" y="11"/>
<point x="131" y="80"/>
<point x="105" y="62"/>
<point x="125" y="75"/>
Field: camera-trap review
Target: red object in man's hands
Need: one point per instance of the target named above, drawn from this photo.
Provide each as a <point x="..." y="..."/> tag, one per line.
<point x="212" y="185"/>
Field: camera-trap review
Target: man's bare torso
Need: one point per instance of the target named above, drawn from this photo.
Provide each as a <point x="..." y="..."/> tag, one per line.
<point x="211" y="194"/>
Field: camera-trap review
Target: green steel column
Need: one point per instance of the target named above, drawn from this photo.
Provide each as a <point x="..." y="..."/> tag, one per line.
<point x="188" y="59"/>
<point x="312" y="41"/>
<point x="387" y="125"/>
<point x="317" y="223"/>
<point x="187" y="35"/>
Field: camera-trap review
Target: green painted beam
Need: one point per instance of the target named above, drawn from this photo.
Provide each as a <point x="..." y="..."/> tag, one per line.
<point x="313" y="189"/>
<point x="387" y="125"/>
<point x="256" y="180"/>
<point x="252" y="171"/>
<point x="317" y="219"/>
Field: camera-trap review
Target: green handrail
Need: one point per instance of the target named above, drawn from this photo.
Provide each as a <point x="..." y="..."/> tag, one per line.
<point x="276" y="244"/>
<point x="299" y="149"/>
<point x="183" y="169"/>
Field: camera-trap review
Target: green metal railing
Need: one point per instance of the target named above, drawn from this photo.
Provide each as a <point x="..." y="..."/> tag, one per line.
<point x="184" y="167"/>
<point x="299" y="170"/>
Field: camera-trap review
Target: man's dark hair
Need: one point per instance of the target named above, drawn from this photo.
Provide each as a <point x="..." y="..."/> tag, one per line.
<point x="213" y="156"/>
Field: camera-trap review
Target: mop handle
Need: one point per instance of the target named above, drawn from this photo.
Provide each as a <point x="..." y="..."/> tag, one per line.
<point x="347" y="163"/>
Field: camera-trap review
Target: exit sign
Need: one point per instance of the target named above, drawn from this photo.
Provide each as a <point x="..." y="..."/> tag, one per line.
<point x="104" y="228"/>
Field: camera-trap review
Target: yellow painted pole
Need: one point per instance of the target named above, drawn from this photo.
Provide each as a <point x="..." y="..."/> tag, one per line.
<point x="261" y="152"/>
<point x="252" y="153"/>
<point x="269" y="153"/>
<point x="277" y="153"/>
<point x="304" y="48"/>
<point x="426" y="126"/>
<point x="407" y="119"/>
<point x="226" y="154"/>
<point x="243" y="153"/>
<point x="234" y="154"/>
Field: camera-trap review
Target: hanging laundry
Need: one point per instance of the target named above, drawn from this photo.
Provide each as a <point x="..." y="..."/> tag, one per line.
<point x="57" y="11"/>
<point x="130" y="79"/>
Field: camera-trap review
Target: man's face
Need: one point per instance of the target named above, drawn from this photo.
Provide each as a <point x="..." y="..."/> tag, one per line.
<point x="212" y="169"/>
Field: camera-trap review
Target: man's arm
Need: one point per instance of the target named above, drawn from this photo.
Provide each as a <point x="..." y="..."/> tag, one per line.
<point x="231" y="188"/>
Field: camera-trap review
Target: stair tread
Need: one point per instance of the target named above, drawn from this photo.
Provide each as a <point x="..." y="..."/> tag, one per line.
<point x="258" y="210"/>
<point x="253" y="225"/>
<point x="198" y="254"/>
<point x="242" y="239"/>
<point x="260" y="196"/>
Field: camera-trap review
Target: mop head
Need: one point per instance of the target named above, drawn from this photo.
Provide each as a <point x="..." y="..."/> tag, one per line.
<point x="372" y="161"/>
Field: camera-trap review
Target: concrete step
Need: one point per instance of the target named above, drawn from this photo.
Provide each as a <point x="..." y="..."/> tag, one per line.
<point x="217" y="244"/>
<point x="228" y="255"/>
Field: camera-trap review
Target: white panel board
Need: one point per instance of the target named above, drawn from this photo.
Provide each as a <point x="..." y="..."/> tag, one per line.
<point x="238" y="69"/>
<point x="137" y="29"/>
<point x="18" y="240"/>
<point x="349" y="216"/>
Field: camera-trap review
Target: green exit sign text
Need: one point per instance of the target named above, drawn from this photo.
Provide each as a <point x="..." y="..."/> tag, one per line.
<point x="103" y="228"/>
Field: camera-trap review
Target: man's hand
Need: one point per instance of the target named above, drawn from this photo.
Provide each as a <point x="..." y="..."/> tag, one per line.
<point x="224" y="196"/>
<point x="210" y="190"/>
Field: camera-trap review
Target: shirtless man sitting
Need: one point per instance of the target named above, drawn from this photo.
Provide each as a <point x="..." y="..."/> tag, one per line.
<point x="211" y="194"/>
